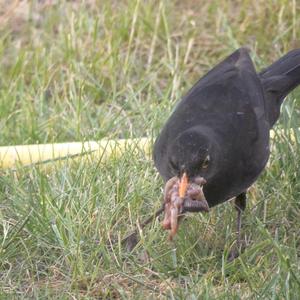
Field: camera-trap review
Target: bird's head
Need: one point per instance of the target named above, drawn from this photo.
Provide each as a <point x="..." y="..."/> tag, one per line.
<point x="192" y="162"/>
<point x="193" y="154"/>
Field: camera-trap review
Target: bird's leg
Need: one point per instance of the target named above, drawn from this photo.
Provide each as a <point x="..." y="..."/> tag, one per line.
<point x="240" y="205"/>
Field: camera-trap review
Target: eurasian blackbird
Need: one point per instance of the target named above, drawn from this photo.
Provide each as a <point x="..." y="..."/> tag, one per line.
<point x="215" y="144"/>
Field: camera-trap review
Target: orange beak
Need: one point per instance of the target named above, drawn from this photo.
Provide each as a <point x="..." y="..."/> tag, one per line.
<point x="183" y="184"/>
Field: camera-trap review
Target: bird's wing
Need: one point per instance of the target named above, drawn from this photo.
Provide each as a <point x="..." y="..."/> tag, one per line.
<point x="239" y="59"/>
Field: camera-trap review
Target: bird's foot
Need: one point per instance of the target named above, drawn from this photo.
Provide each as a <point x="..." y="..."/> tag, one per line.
<point x="236" y="251"/>
<point x="233" y="254"/>
<point x="130" y="241"/>
<point x="176" y="206"/>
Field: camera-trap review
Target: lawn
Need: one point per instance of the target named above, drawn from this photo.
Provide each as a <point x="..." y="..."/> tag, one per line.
<point x="87" y="70"/>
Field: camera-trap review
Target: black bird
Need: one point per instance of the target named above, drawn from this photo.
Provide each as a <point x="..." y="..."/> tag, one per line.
<point x="219" y="134"/>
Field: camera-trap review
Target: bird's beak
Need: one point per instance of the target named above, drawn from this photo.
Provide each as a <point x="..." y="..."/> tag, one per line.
<point x="183" y="184"/>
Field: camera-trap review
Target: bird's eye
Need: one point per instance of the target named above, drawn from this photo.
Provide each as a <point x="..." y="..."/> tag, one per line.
<point x="206" y="162"/>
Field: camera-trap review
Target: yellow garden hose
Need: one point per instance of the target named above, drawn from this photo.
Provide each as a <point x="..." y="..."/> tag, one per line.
<point x="24" y="155"/>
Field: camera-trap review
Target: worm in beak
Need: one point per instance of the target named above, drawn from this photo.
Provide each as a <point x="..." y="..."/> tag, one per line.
<point x="181" y="196"/>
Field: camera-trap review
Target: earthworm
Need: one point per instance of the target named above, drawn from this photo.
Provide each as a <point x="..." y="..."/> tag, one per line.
<point x="195" y="205"/>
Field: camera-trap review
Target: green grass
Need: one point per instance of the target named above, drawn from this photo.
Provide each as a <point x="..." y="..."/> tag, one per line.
<point x="75" y="71"/>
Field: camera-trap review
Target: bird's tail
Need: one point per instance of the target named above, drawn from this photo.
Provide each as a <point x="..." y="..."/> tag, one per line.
<point x="278" y="80"/>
